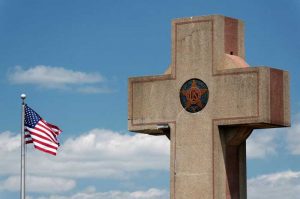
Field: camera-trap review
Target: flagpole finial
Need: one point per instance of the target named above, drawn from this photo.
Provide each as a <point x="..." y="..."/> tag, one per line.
<point x="23" y="96"/>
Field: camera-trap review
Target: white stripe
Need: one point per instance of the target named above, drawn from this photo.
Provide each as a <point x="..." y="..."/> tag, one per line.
<point x="46" y="124"/>
<point x="39" y="132"/>
<point x="56" y="131"/>
<point x="41" y="125"/>
<point x="45" y="141"/>
<point x="27" y="138"/>
<point x="44" y="147"/>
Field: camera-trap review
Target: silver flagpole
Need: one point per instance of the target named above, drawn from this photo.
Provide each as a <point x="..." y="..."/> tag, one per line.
<point x="22" y="184"/>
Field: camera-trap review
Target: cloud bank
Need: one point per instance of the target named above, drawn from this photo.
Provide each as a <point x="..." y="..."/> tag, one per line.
<point x="57" y="78"/>
<point x="293" y="139"/>
<point x="38" y="184"/>
<point x="262" y="143"/>
<point x="105" y="154"/>
<point x="99" y="153"/>
<point x="90" y="193"/>
<point x="276" y="186"/>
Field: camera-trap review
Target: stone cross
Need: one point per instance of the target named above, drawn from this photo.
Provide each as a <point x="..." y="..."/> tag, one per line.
<point x="211" y="100"/>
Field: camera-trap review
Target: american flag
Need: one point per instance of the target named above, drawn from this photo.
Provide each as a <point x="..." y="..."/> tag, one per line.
<point x="42" y="134"/>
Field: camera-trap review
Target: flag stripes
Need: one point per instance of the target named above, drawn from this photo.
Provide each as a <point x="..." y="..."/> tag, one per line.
<point x="45" y="149"/>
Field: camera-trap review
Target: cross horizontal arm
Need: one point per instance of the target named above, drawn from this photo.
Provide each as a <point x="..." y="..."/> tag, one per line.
<point x="150" y="103"/>
<point x="256" y="97"/>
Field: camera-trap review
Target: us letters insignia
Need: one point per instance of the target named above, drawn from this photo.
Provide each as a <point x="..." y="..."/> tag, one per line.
<point x="194" y="95"/>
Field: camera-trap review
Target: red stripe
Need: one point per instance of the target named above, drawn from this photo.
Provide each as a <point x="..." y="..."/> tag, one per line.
<point x="28" y="137"/>
<point x="57" y="132"/>
<point x="41" y="130"/>
<point x="50" y="126"/>
<point x="45" y="144"/>
<point x="44" y="150"/>
<point x="55" y="128"/>
<point x="45" y="125"/>
<point x="42" y="137"/>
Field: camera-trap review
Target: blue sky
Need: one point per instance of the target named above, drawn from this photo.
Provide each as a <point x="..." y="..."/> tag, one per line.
<point x="73" y="57"/>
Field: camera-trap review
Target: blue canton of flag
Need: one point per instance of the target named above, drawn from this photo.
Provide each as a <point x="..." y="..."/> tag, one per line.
<point x="42" y="134"/>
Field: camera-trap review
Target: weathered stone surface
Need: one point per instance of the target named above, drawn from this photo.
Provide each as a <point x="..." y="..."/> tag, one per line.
<point x="208" y="153"/>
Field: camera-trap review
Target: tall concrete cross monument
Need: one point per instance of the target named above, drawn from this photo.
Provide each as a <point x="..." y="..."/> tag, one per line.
<point x="211" y="100"/>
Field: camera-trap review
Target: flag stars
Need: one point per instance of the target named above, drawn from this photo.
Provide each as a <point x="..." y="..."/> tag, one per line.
<point x="31" y="117"/>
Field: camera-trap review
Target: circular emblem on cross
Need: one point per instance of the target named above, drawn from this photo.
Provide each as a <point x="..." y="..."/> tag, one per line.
<point x="194" y="95"/>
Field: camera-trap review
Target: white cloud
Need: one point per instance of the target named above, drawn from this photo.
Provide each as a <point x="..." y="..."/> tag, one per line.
<point x="276" y="186"/>
<point x="90" y="193"/>
<point x="262" y="143"/>
<point x="56" y="77"/>
<point x="9" y="141"/>
<point x="38" y="184"/>
<point x="9" y="153"/>
<point x="97" y="154"/>
<point x="293" y="139"/>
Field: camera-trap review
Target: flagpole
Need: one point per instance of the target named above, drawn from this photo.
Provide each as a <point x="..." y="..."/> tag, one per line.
<point x="22" y="184"/>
